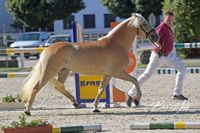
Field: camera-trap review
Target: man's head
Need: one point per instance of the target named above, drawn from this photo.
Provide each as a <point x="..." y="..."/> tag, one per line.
<point x="168" y="18"/>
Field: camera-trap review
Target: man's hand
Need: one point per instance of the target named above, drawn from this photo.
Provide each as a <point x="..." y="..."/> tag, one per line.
<point x="158" y="45"/>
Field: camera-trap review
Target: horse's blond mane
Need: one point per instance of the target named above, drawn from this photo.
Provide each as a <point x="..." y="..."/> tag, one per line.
<point x="135" y="20"/>
<point x="117" y="27"/>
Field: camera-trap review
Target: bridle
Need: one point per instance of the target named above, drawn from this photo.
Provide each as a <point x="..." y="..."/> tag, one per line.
<point x="148" y="34"/>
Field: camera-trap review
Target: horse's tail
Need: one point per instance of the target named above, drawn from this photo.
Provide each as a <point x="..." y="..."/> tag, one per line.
<point x="30" y="82"/>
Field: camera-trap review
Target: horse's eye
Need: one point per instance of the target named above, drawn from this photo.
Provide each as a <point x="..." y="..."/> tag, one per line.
<point x="144" y="24"/>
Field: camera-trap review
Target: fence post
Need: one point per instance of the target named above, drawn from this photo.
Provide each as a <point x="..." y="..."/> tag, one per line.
<point x="21" y="59"/>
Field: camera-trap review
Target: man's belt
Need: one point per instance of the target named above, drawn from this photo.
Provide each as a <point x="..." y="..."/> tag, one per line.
<point x="162" y="54"/>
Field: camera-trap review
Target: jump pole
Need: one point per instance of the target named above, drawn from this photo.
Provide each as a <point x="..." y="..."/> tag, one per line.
<point x="191" y="70"/>
<point x="145" y="44"/>
<point x="21" y="50"/>
<point x="75" y="129"/>
<point x="13" y="74"/>
<point x="165" y="125"/>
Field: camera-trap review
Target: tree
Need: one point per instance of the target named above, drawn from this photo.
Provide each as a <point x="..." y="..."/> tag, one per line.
<point x="35" y="14"/>
<point x="187" y="18"/>
<point x="121" y="8"/>
<point x="124" y="8"/>
<point x="146" y="7"/>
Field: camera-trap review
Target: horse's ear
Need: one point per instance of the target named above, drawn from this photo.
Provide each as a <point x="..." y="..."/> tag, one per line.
<point x="133" y="14"/>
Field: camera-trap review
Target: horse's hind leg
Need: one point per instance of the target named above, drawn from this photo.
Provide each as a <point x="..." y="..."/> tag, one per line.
<point x="125" y="76"/>
<point x="102" y="87"/>
<point x="36" y="89"/>
<point x="59" y="85"/>
<point x="45" y="74"/>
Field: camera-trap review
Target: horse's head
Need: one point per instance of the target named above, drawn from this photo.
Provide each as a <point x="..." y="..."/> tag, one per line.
<point x="140" y="22"/>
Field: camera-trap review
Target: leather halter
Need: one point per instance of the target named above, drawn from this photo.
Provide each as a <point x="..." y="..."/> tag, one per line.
<point x="148" y="34"/>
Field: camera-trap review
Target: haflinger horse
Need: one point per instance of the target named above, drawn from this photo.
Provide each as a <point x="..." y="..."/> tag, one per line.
<point x="108" y="56"/>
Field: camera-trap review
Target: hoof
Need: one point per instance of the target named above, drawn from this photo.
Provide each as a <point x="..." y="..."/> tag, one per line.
<point x="136" y="102"/>
<point x="76" y="106"/>
<point x="27" y="113"/>
<point x="96" y="111"/>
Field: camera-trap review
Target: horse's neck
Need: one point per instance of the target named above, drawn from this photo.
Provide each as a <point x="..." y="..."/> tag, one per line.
<point x="123" y="36"/>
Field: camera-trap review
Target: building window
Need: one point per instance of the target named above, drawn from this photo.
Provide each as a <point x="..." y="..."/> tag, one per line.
<point x="68" y="22"/>
<point x="108" y="18"/>
<point x="89" y="21"/>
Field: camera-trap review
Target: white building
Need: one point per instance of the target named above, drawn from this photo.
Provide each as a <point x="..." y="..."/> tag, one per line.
<point x="95" y="18"/>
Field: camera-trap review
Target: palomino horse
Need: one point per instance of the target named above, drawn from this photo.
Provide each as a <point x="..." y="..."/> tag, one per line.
<point x="109" y="56"/>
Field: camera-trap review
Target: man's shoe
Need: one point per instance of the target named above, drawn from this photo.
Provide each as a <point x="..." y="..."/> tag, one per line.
<point x="128" y="100"/>
<point x="180" y="97"/>
<point x="136" y="102"/>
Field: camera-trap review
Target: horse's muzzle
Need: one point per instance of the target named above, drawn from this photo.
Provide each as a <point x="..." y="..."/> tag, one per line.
<point x="154" y="37"/>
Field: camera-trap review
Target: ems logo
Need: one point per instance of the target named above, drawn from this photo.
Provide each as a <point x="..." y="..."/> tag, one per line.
<point x="90" y="83"/>
<point x="89" y="86"/>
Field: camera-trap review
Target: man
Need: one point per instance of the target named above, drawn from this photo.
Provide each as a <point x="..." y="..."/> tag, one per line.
<point x="163" y="54"/>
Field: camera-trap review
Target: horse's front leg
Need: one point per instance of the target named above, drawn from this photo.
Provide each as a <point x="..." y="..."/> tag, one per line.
<point x="103" y="85"/>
